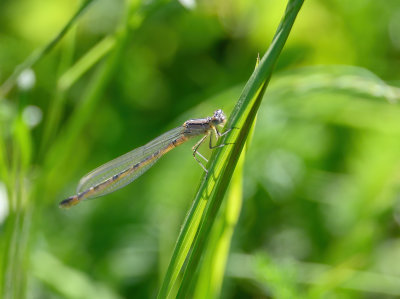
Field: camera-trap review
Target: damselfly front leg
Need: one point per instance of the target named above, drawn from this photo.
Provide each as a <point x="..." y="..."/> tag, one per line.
<point x="217" y="136"/>
<point x="197" y="145"/>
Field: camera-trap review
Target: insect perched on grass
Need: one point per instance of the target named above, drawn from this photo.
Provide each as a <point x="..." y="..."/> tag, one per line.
<point x="126" y="168"/>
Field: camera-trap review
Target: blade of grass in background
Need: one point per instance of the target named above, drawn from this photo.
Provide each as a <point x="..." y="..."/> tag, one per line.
<point x="68" y="282"/>
<point x="260" y="269"/>
<point x="15" y="245"/>
<point x="95" y="54"/>
<point x="57" y="103"/>
<point x="13" y="275"/>
<point x="22" y="190"/>
<point x="202" y="215"/>
<point x="57" y="157"/>
<point x="69" y="77"/>
<point x="344" y="97"/>
<point x="40" y="53"/>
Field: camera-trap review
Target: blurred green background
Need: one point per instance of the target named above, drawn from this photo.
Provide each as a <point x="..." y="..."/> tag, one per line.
<point x="321" y="205"/>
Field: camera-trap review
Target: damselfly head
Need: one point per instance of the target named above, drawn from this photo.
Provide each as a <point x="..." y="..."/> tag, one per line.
<point x="219" y="117"/>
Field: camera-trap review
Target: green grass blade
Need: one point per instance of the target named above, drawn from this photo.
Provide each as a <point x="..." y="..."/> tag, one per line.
<point x="59" y="99"/>
<point x="213" y="192"/>
<point x="57" y="157"/>
<point x="40" y="53"/>
<point x="86" y="62"/>
<point x="4" y="165"/>
<point x="68" y="78"/>
<point x="212" y="189"/>
<point x="212" y="273"/>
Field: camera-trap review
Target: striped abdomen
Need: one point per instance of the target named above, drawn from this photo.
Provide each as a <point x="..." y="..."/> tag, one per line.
<point x="124" y="177"/>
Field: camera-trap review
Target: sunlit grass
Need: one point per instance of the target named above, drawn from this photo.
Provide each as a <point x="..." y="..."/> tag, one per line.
<point x="56" y="150"/>
<point x="313" y="212"/>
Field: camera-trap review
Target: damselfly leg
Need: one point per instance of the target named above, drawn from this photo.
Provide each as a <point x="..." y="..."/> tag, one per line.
<point x="195" y="152"/>
<point x="197" y="145"/>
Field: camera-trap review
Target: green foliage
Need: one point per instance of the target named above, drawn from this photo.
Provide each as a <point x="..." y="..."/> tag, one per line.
<point x="311" y="209"/>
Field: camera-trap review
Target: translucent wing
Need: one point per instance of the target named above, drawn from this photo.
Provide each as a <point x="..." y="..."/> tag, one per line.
<point x="125" y="162"/>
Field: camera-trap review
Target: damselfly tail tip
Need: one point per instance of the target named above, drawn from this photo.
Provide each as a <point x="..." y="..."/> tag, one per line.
<point x="69" y="202"/>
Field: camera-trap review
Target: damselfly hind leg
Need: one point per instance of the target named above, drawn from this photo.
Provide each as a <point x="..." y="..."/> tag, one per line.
<point x="195" y="152"/>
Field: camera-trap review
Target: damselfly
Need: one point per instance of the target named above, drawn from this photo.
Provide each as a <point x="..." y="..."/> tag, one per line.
<point x="126" y="168"/>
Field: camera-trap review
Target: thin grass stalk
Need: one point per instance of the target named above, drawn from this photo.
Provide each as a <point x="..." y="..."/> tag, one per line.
<point x="40" y="53"/>
<point x="57" y="104"/>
